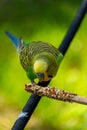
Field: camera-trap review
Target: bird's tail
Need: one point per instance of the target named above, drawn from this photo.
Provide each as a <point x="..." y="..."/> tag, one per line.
<point x="14" y="39"/>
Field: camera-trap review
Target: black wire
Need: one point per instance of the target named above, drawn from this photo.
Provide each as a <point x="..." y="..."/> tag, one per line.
<point x="73" y="28"/>
<point x="34" y="99"/>
<point x="28" y="108"/>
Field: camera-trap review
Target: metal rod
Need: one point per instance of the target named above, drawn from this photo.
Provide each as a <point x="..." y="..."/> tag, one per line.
<point x="28" y="109"/>
<point x="34" y="99"/>
<point x="73" y="28"/>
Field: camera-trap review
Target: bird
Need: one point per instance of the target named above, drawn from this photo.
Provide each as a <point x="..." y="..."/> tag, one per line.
<point x="40" y="60"/>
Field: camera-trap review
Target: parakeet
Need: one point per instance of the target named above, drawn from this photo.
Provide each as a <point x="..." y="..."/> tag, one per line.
<point x="39" y="59"/>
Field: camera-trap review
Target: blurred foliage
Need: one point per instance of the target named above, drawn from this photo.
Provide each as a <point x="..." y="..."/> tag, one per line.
<point x="48" y="21"/>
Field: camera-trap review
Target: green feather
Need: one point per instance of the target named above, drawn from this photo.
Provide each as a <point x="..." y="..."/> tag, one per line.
<point x="27" y="43"/>
<point x="59" y="58"/>
<point x="30" y="73"/>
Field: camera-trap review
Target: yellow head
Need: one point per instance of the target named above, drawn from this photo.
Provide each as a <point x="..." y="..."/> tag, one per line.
<point x="40" y="68"/>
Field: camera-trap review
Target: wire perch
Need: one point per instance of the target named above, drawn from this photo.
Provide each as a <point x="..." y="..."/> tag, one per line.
<point x="55" y="93"/>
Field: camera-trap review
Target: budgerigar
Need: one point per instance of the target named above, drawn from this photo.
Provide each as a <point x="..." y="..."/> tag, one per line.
<point x="39" y="60"/>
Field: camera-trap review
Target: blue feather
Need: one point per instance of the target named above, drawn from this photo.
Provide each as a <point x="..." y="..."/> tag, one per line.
<point x="14" y="39"/>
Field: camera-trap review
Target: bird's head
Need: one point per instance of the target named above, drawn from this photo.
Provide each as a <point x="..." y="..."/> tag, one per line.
<point x="40" y="68"/>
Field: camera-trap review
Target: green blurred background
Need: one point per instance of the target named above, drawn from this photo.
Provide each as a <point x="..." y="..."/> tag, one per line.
<point x="48" y="21"/>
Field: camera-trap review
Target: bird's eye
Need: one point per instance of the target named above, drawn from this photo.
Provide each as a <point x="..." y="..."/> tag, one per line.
<point x="40" y="74"/>
<point x="50" y="76"/>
